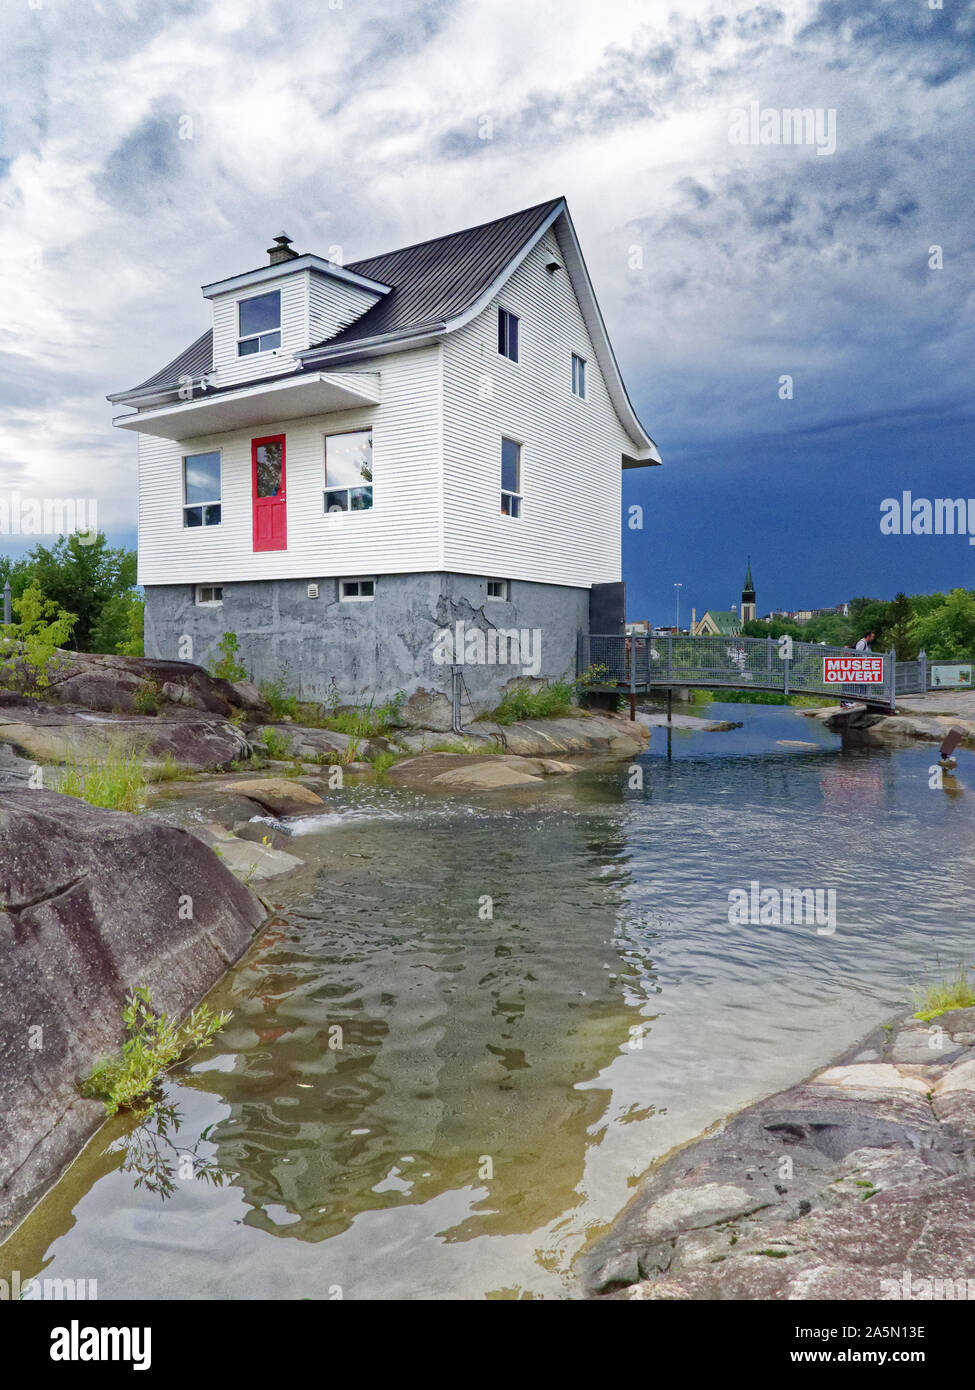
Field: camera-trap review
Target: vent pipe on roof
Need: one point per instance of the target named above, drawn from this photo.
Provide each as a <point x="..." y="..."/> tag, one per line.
<point x="282" y="250"/>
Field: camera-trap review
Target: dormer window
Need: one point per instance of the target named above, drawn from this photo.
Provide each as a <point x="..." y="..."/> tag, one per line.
<point x="259" y="323"/>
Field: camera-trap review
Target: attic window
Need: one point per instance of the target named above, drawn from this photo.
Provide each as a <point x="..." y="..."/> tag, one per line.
<point x="578" y="376"/>
<point x="259" y="323"/>
<point x="508" y="334"/>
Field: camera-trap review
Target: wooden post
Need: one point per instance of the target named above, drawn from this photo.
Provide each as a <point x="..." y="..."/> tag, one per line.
<point x="670" y="696"/>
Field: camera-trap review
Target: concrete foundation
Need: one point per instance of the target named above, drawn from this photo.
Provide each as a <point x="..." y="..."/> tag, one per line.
<point x="396" y="641"/>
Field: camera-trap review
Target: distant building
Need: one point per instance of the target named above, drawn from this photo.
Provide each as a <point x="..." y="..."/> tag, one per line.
<point x="748" y="596"/>
<point x="720" y="622"/>
<point x="805" y="615"/>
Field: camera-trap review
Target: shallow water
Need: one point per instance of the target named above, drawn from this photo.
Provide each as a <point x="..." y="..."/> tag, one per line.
<point x="505" y="1071"/>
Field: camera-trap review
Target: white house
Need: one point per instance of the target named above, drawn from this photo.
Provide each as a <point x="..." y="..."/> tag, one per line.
<point x="355" y="459"/>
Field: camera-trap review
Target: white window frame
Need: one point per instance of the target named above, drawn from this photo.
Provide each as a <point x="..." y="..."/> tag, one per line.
<point x="214" y="502"/>
<point x="498" y="598"/>
<point x="334" y="434"/>
<point x="357" y="598"/>
<point x="578" y="358"/>
<point x="519" y="496"/>
<point x="209" y="602"/>
<point x="508" y="315"/>
<point x="250" y="337"/>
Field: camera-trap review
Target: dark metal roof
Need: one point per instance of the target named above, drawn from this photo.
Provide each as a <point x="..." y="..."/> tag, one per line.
<point x="193" y="361"/>
<point x="432" y="281"/>
<point x="439" y="279"/>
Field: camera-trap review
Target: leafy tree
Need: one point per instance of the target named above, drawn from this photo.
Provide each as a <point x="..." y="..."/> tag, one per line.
<point x="95" y="582"/>
<point x="897" y="631"/>
<point x="778" y="627"/>
<point x="947" y="633"/>
<point x="119" y="627"/>
<point x="831" y="628"/>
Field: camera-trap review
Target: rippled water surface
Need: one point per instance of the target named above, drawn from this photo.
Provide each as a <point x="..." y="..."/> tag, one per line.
<point x="426" y="1093"/>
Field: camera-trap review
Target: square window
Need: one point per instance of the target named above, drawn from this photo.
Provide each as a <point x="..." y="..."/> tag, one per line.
<point x="508" y="334"/>
<point x="348" y="471"/>
<point x="209" y="595"/>
<point x="201" y="489"/>
<point x="578" y="376"/>
<point x="356" y="590"/>
<point x="498" y="589"/>
<point x="259" y="323"/>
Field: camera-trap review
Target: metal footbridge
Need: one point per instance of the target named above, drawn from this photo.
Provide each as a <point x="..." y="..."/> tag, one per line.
<point x="633" y="666"/>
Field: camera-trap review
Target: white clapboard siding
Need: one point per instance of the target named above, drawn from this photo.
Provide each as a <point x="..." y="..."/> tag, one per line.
<point x="569" y="530"/>
<point x="333" y="305"/>
<point x="228" y="367"/>
<point x="400" y="534"/>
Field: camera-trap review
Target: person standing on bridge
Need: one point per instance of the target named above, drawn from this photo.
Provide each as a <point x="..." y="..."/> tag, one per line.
<point x="863" y="645"/>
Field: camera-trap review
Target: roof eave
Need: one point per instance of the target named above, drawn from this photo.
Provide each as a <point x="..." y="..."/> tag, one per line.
<point x="305" y="262"/>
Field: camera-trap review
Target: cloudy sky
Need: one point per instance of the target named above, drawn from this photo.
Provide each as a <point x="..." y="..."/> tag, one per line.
<point x="150" y="146"/>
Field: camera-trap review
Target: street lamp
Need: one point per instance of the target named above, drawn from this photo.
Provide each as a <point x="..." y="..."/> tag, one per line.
<point x="678" y="587"/>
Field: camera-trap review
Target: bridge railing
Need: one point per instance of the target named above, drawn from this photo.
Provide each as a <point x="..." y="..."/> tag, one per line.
<point x="764" y="663"/>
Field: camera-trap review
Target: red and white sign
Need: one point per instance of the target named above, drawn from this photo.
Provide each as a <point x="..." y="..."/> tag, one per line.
<point x="853" y="670"/>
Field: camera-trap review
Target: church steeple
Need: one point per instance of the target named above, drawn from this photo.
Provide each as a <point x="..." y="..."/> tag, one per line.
<point x="748" y="595"/>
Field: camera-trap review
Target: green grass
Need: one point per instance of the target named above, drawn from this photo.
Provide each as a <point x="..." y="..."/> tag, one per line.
<point x="274" y="744"/>
<point x="154" y="1045"/>
<point x="759" y="697"/>
<point x="366" y="720"/>
<point x="382" y="762"/>
<point x="117" y="783"/>
<point x="282" y="705"/>
<point x="552" y="701"/>
<point x="169" y="770"/>
<point x="954" y="992"/>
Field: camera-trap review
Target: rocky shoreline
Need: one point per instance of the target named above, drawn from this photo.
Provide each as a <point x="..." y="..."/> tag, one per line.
<point x="918" y="719"/>
<point x="859" y="1183"/>
<point x="94" y="902"/>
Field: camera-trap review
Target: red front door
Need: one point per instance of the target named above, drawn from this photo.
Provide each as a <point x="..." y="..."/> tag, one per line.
<point x="270" y="493"/>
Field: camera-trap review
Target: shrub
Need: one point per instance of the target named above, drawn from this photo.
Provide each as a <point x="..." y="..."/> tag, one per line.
<point x="155" y="1044"/>
<point x="29" y="646"/>
<point x="229" y="667"/>
<point x="146" y="698"/>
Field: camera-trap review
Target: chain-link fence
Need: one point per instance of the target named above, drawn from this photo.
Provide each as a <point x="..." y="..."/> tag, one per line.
<point x="759" y="663"/>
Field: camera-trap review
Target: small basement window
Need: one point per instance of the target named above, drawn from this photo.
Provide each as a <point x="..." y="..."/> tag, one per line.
<point x="498" y="589"/>
<point x="508" y="334"/>
<point x="510" y="478"/>
<point x="201" y="489"/>
<point x="259" y="323"/>
<point x="356" y="590"/>
<point x="209" y="595"/>
<point x="578" y="376"/>
<point x="348" y="471"/>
